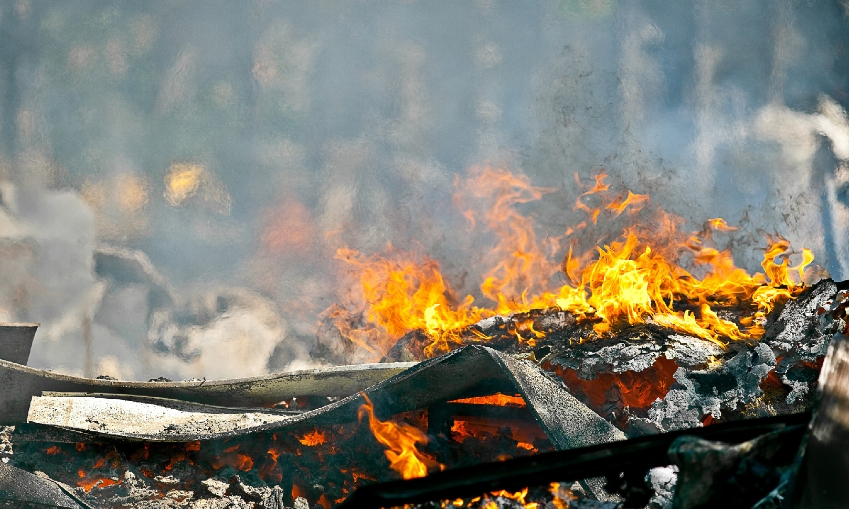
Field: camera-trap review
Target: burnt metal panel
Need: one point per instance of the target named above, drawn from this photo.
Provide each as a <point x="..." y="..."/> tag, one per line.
<point x="470" y="371"/>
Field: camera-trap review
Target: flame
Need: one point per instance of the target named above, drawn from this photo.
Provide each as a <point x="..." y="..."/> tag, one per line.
<point x="519" y="262"/>
<point x="720" y="225"/>
<point x="87" y="484"/>
<point x="313" y="438"/>
<point x="560" y="499"/>
<point x="404" y="292"/>
<point x="636" y="278"/>
<point x="401" y="440"/>
<point x="635" y="201"/>
<point x="288" y="228"/>
<point x="230" y="457"/>
<point x="494" y="399"/>
<point x="524" y="433"/>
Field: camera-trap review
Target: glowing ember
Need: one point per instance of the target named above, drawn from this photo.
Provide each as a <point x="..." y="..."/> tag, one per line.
<point x="494" y="399"/>
<point x="313" y="438"/>
<point x="558" y="498"/>
<point x="466" y="426"/>
<point x="401" y="440"/>
<point x="637" y="278"/>
<point x="88" y="484"/>
<point x="635" y="390"/>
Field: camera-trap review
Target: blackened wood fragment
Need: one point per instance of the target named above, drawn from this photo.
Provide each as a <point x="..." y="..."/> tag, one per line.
<point x="737" y="476"/>
<point x="824" y="467"/>
<point x="598" y="460"/>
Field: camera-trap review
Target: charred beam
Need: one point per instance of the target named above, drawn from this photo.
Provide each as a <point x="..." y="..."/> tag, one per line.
<point x="639" y="454"/>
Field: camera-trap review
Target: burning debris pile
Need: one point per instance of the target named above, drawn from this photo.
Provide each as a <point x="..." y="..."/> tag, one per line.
<point x="632" y="352"/>
<point x="106" y="443"/>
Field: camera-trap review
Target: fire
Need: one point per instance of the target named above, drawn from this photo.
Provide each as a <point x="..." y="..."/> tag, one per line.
<point x="497" y="399"/>
<point x="87" y="484"/>
<point x="519" y="262"/>
<point x="560" y="498"/>
<point x="288" y="228"/>
<point x="313" y="438"/>
<point x="230" y="457"/>
<point x="404" y="292"/>
<point x="132" y="193"/>
<point x="636" y="278"/>
<point x="401" y="440"/>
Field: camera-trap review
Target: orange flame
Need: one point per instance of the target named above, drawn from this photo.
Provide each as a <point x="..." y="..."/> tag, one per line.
<point x="720" y="225"/>
<point x="403" y="294"/>
<point x="635" y="200"/>
<point x="634" y="279"/>
<point x="401" y="440"/>
<point x="313" y="438"/>
<point x="497" y="399"/>
<point x="87" y="484"/>
<point x="519" y="261"/>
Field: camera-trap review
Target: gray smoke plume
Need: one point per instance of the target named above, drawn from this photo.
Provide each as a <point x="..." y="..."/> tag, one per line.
<point x="176" y="177"/>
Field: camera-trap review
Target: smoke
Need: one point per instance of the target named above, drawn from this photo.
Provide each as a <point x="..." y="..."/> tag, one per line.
<point x="176" y="177"/>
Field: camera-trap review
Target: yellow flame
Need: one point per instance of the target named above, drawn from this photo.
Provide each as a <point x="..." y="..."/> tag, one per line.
<point x="627" y="281"/>
<point x="560" y="499"/>
<point x="313" y="438"/>
<point x="400" y="440"/>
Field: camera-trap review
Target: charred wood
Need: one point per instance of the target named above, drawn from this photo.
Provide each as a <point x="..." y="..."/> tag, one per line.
<point x="638" y="454"/>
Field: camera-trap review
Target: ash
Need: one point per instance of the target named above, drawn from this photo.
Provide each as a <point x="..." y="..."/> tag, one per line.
<point x="215" y="494"/>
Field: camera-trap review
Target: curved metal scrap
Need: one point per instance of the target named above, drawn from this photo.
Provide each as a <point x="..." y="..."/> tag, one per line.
<point x="20" y="383"/>
<point x="147" y="417"/>
<point x="470" y="371"/>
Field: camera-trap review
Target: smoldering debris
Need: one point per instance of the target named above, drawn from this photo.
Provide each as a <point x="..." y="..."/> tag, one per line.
<point x="647" y="383"/>
<point x="19" y="488"/>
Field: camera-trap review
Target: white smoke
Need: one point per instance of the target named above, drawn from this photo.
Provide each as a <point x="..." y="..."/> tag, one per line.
<point x="313" y="126"/>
